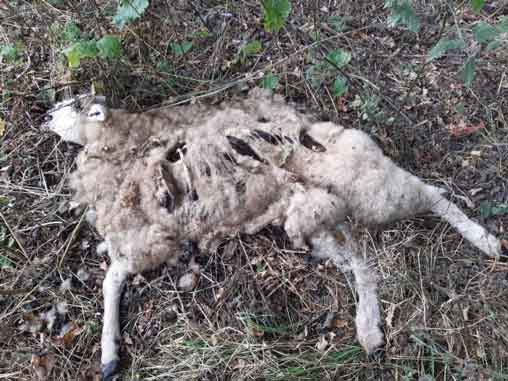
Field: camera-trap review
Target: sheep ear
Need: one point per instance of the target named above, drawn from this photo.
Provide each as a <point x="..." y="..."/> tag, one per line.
<point x="97" y="113"/>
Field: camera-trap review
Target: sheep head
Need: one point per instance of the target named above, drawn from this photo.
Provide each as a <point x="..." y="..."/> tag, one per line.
<point x="78" y="120"/>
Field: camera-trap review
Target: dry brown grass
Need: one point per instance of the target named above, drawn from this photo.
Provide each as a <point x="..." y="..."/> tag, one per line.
<point x="261" y="310"/>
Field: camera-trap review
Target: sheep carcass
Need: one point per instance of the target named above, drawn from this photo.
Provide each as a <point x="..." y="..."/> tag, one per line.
<point x="160" y="179"/>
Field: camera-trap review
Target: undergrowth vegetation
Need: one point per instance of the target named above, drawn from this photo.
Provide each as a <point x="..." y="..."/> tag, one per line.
<point x="427" y="79"/>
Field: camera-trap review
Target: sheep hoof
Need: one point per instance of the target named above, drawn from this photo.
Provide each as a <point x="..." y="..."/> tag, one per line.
<point x="377" y="355"/>
<point x="109" y="370"/>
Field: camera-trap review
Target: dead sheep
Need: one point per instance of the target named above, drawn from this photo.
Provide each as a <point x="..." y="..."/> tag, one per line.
<point x="161" y="179"/>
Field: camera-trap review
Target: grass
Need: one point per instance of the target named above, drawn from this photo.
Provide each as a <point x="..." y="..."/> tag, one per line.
<point x="261" y="310"/>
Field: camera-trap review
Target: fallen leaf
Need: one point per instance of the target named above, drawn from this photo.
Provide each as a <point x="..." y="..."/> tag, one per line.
<point x="461" y="128"/>
<point x="2" y="127"/>
<point x="68" y="332"/>
<point x="339" y="323"/>
<point x="43" y="365"/>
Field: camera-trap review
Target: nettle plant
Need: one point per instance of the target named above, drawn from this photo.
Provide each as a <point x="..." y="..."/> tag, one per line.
<point x="487" y="37"/>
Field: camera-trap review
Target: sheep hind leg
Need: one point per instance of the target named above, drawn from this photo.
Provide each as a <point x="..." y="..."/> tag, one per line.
<point x="470" y="230"/>
<point x="348" y="259"/>
<point x="112" y="290"/>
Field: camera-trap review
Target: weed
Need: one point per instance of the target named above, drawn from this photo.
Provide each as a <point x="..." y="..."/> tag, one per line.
<point x="129" y="11"/>
<point x="179" y="49"/>
<point x="275" y="14"/>
<point x="402" y="13"/>
<point x="248" y="50"/>
<point x="270" y="81"/>
<point x="8" y="53"/>
<point x="106" y="47"/>
<point x="326" y="69"/>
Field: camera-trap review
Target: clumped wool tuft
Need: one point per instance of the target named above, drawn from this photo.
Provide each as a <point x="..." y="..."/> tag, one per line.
<point x="161" y="179"/>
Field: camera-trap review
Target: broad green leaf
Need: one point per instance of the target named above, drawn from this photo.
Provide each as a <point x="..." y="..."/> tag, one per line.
<point x="502" y="25"/>
<point x="468" y="71"/>
<point x="129" y="10"/>
<point x="488" y="209"/>
<point x="444" y="45"/>
<point x="71" y="32"/>
<point x="484" y="32"/>
<point x="270" y="81"/>
<point x="338" y="23"/>
<point x="203" y="33"/>
<point x="477" y="5"/>
<point x="252" y="48"/>
<point x="163" y="66"/>
<point x="275" y="14"/>
<point x="403" y="13"/>
<point x="76" y="52"/>
<point x="339" y="87"/>
<point x="8" y="52"/>
<point x="495" y="44"/>
<point x="109" y="47"/>
<point x="338" y="58"/>
<point x="181" y="49"/>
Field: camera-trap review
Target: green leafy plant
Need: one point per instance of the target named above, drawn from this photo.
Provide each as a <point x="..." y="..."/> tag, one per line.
<point x="443" y="46"/>
<point x="106" y="47"/>
<point x="339" y="87"/>
<point x="71" y="32"/>
<point x="8" y="53"/>
<point x="250" y="49"/>
<point x="275" y="14"/>
<point x="338" y="58"/>
<point x="338" y="24"/>
<point x="489" y="36"/>
<point x="129" y="11"/>
<point x="325" y="70"/>
<point x="80" y="50"/>
<point x="270" y="81"/>
<point x="488" y="209"/>
<point x="468" y="71"/>
<point x="179" y="49"/>
<point x="477" y="5"/>
<point x="403" y="13"/>
<point x="109" y="47"/>
<point x="368" y="106"/>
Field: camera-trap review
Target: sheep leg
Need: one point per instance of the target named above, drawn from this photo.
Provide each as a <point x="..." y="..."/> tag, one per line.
<point x="469" y="229"/>
<point x="112" y="290"/>
<point x="317" y="209"/>
<point x="347" y="258"/>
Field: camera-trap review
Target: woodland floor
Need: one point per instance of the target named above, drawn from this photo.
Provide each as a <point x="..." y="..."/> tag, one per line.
<point x="261" y="311"/>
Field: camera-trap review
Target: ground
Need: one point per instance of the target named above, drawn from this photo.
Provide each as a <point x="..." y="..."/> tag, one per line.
<point x="260" y="310"/>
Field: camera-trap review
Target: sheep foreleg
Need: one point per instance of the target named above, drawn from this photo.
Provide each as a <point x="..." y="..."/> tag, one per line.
<point x="112" y="289"/>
